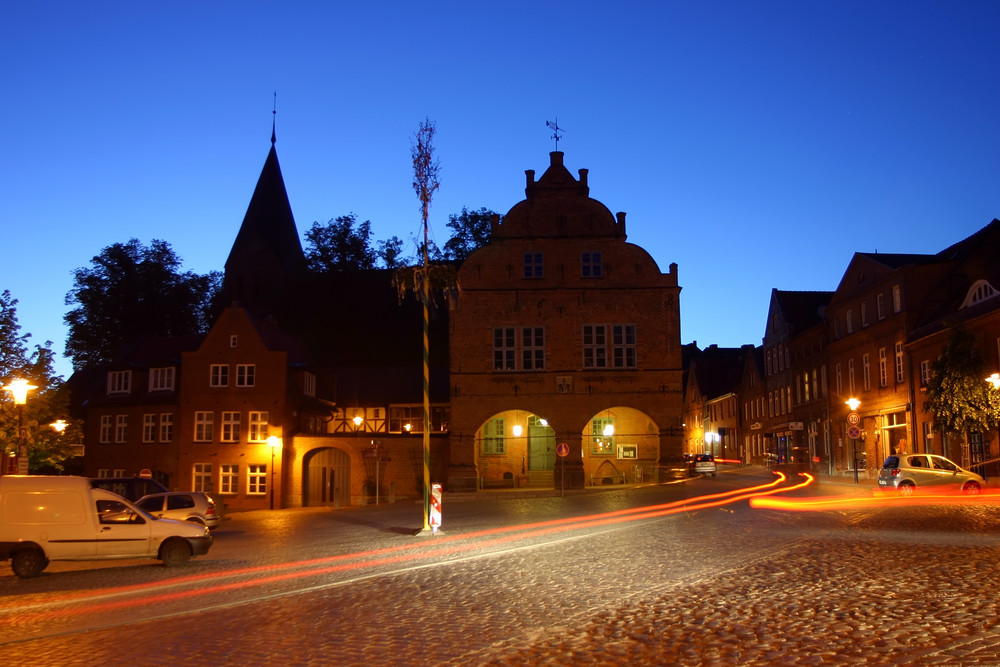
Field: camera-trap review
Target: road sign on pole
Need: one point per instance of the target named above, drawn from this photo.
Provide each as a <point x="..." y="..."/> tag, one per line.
<point x="854" y="419"/>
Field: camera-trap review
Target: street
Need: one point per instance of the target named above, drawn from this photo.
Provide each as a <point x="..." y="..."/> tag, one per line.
<point x="685" y="573"/>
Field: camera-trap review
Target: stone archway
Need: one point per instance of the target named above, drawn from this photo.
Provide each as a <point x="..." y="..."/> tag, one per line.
<point x="326" y="478"/>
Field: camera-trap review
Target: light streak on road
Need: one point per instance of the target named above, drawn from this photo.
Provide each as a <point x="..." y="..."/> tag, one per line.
<point x="877" y="499"/>
<point x="158" y="593"/>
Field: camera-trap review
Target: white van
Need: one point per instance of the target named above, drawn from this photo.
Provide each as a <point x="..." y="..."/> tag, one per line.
<point x="45" y="518"/>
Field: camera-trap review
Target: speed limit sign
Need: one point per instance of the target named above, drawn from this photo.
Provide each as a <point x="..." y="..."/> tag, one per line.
<point x="854" y="419"/>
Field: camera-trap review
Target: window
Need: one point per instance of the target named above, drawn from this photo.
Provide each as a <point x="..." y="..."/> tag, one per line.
<point x="119" y="382"/>
<point x="121" y="428"/>
<point x="850" y="376"/>
<point x="850" y="320"/>
<point x="623" y="345"/>
<point x="229" y="478"/>
<point x="533" y="265"/>
<point x="203" y="422"/>
<point x="219" y="375"/>
<point x="925" y="372"/>
<point x="838" y="379"/>
<point x="230" y="427"/>
<point x="258" y="427"/>
<point x="106" y="428"/>
<point x="883" y="370"/>
<point x="533" y="348"/>
<point x="245" y="375"/>
<point x="590" y="265"/>
<point x="864" y="314"/>
<point x="149" y="428"/>
<point x="503" y="349"/>
<point x="161" y="379"/>
<point x="836" y="328"/>
<point x="202" y="477"/>
<point x="166" y="426"/>
<point x="602" y="436"/>
<point x="493" y="436"/>
<point x="897" y="299"/>
<point x="595" y="354"/>
<point x="233" y="340"/>
<point x="899" y="363"/>
<point x="866" y="377"/>
<point x="880" y="306"/>
<point x="309" y="384"/>
<point x="256" y="479"/>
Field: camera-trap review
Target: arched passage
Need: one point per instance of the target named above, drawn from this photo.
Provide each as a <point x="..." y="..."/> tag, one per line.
<point x="326" y="478"/>
<point x="512" y="444"/>
<point x="620" y="444"/>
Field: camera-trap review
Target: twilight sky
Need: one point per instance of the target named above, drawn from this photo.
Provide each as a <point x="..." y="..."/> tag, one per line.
<point x="756" y="144"/>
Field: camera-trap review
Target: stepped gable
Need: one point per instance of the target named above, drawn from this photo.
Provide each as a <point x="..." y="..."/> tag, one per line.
<point x="558" y="205"/>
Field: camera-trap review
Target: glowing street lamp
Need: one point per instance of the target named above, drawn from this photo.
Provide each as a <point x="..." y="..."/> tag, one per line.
<point x="275" y="442"/>
<point x="20" y="389"/>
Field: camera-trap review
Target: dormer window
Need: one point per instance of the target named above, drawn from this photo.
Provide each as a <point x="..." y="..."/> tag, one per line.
<point x="119" y="382"/>
<point x="980" y="291"/>
<point x="161" y="379"/>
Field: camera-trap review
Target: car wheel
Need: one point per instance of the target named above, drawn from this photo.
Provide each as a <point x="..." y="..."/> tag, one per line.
<point x="28" y="563"/>
<point x="175" y="552"/>
<point x="906" y="488"/>
<point x="971" y="489"/>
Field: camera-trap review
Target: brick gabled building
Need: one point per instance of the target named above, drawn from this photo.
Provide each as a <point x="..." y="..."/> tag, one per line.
<point x="563" y="334"/>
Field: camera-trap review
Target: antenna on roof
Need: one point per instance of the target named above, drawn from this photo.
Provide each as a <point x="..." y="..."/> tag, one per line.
<point x="274" y="115"/>
<point x="555" y="130"/>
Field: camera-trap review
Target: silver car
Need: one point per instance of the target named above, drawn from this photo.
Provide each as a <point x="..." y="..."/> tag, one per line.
<point x="704" y="464"/>
<point x="182" y="505"/>
<point x="908" y="472"/>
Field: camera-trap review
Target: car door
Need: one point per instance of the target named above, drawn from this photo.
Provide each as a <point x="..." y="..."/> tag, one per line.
<point x="918" y="468"/>
<point x="944" y="471"/>
<point x="122" y="531"/>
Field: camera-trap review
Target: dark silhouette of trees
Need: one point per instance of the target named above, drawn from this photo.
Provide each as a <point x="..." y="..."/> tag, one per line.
<point x="340" y="245"/>
<point x="130" y="291"/>
<point x="470" y="230"/>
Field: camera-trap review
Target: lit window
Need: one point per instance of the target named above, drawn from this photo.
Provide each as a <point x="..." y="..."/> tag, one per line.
<point x="602" y="436"/>
<point x="258" y="427"/>
<point x="256" y="479"/>
<point x="203" y="426"/>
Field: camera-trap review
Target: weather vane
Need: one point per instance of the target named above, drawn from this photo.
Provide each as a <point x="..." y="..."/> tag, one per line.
<point x="556" y="130"/>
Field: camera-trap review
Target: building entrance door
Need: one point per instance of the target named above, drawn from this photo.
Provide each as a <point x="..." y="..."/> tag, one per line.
<point x="327" y="478"/>
<point x="541" y="445"/>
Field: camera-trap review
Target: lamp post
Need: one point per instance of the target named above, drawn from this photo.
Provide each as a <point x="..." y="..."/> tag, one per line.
<point x="20" y="388"/>
<point x="275" y="442"/>
<point x="854" y="419"/>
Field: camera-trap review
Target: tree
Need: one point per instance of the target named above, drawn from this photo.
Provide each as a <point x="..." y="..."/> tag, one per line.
<point x="131" y="291"/>
<point x="390" y="252"/>
<point x="470" y="230"/>
<point x="46" y="403"/>
<point x="337" y="245"/>
<point x="957" y="394"/>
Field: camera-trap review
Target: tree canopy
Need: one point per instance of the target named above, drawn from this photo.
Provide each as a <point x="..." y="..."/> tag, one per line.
<point x="957" y="393"/>
<point x="130" y="291"/>
<point x="45" y="404"/>
<point x="342" y="243"/>
<point x="470" y="230"/>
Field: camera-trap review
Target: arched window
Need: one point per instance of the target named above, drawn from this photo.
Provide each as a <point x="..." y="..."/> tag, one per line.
<point x="980" y="291"/>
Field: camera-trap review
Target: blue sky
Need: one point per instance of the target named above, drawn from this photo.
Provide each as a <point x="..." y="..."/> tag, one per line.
<point x="756" y="144"/>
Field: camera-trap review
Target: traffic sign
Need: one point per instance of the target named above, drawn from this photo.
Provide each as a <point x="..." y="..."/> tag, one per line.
<point x="854" y="432"/>
<point x="854" y="419"/>
<point x="562" y="449"/>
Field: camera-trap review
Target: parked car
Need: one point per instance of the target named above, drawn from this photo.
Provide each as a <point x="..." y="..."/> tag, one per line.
<point x="182" y="505"/>
<point x="44" y="518"/>
<point x="908" y="472"/>
<point x="129" y="488"/>
<point x="704" y="464"/>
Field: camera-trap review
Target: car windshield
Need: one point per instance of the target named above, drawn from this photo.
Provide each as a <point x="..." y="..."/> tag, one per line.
<point x="891" y="462"/>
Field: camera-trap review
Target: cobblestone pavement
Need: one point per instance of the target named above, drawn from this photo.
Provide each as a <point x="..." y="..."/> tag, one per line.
<point x="720" y="586"/>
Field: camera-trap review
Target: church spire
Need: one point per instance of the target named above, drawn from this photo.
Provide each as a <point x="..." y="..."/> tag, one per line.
<point x="274" y="116"/>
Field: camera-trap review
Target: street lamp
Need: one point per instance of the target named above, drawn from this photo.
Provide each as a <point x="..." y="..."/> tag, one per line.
<point x="20" y="388"/>
<point x="275" y="442"/>
<point x="853" y="403"/>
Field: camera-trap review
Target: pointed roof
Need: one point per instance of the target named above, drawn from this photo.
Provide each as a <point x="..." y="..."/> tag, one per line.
<point x="268" y="224"/>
